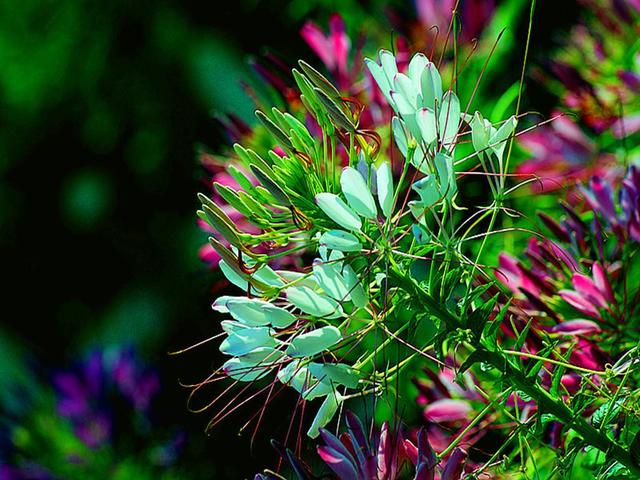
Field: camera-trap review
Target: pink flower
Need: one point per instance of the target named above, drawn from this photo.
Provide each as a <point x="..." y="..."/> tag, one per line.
<point x="333" y="49"/>
<point x="590" y="294"/>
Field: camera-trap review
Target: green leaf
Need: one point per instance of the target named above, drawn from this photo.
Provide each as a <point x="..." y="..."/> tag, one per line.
<point x="492" y="327"/>
<point x="357" y="193"/>
<point x="220" y="222"/>
<point x="339" y="117"/>
<point x="313" y="303"/>
<point x="274" y="130"/>
<point x="271" y="186"/>
<point x="314" y="342"/>
<point x="325" y="413"/>
<point x="319" y="80"/>
<point x="384" y="179"/>
<point x="340" y="240"/>
<point x="338" y="211"/>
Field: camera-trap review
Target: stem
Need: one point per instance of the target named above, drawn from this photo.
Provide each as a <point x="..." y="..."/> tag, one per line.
<point x="517" y="378"/>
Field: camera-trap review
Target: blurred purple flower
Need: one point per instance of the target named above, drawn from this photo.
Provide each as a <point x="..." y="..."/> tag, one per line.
<point x="85" y="394"/>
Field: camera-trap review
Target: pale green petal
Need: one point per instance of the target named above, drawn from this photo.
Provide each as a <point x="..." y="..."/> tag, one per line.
<point x="426" y="120"/>
<point x="385" y="188"/>
<point x="243" y="341"/>
<point x="325" y="413"/>
<point x="356" y="291"/>
<point x="449" y="118"/>
<point x="314" y="342"/>
<point x="357" y="193"/>
<point x="340" y="240"/>
<point x="258" y="312"/>
<point x="431" y="86"/>
<point x="338" y="211"/>
<point x="313" y="303"/>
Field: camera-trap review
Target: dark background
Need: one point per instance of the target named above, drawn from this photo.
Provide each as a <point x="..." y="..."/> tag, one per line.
<point x="102" y="107"/>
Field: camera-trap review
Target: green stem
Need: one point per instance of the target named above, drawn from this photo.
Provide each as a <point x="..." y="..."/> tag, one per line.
<point x="518" y="379"/>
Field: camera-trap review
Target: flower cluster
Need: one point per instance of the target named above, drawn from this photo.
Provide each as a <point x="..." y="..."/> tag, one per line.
<point x="368" y="188"/>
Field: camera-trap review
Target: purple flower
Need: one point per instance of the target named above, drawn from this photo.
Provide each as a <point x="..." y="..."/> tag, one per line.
<point x="86" y="394"/>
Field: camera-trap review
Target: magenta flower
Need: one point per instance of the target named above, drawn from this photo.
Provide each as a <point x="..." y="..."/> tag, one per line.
<point x="590" y="294"/>
<point x="563" y="155"/>
<point x="474" y="15"/>
<point x="333" y="49"/>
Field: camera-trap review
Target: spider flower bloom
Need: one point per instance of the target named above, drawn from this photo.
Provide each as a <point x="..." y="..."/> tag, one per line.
<point x="562" y="155"/>
<point x="448" y="408"/>
<point x="474" y="16"/>
<point x="598" y="71"/>
<point x="625" y="220"/>
<point x="384" y="455"/>
<point x="573" y="286"/>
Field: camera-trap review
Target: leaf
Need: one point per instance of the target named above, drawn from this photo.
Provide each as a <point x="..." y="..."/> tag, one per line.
<point x="339" y="117"/>
<point x="220" y="222"/>
<point x="325" y="413"/>
<point x="255" y="312"/>
<point x="354" y="286"/>
<point x="274" y="130"/>
<point x="312" y="303"/>
<point x="338" y="211"/>
<point x="385" y="188"/>
<point x="492" y="327"/>
<point x="271" y="186"/>
<point x="319" y="80"/>
<point x="475" y="357"/>
<point x="357" y="193"/>
<point x="232" y="198"/>
<point x="314" y="342"/>
<point x="244" y="341"/>
<point x="340" y="240"/>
